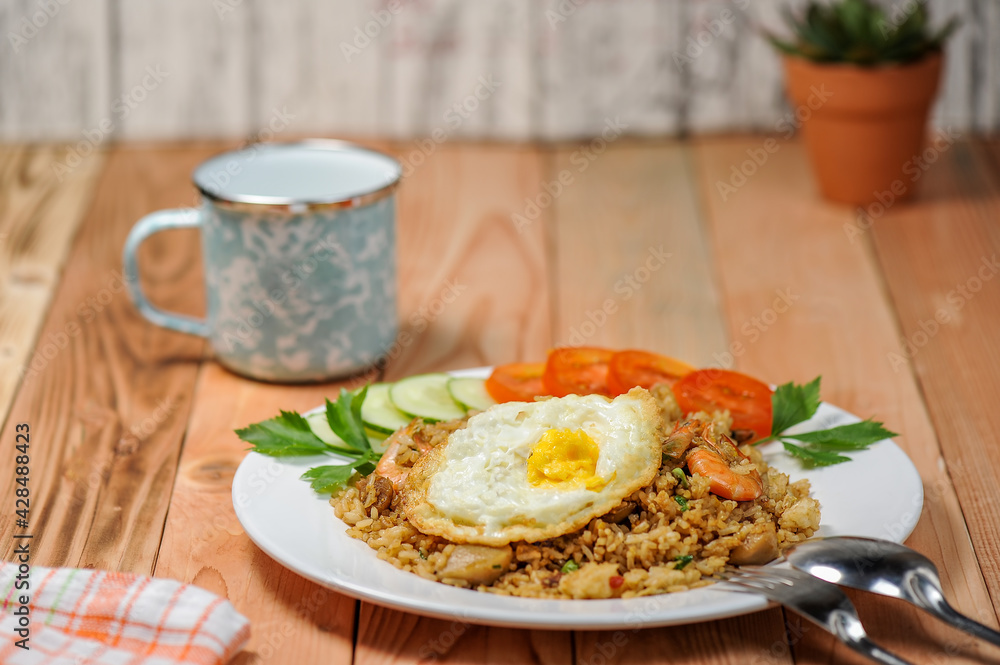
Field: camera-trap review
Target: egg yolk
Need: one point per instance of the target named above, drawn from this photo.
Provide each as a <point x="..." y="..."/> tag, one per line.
<point x="565" y="459"/>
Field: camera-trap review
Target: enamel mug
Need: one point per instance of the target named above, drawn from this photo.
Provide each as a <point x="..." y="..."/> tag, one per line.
<point x="299" y="249"/>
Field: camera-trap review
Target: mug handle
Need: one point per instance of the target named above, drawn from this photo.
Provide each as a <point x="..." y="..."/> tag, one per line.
<point x="178" y="218"/>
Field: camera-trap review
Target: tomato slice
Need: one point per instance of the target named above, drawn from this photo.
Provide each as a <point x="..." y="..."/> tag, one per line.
<point x="747" y="399"/>
<point x="516" y="382"/>
<point x="631" y="368"/>
<point x="577" y="371"/>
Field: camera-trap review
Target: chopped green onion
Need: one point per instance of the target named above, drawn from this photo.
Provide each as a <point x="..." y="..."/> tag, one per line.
<point x="681" y="477"/>
<point x="570" y="566"/>
<point x="681" y="501"/>
<point x="423" y="554"/>
<point x="682" y="561"/>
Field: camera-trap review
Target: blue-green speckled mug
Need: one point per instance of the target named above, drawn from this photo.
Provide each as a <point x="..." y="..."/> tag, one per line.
<point x="299" y="251"/>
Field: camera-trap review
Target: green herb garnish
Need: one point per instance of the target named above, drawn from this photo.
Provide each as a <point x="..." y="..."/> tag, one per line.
<point x="289" y="435"/>
<point x="330" y="478"/>
<point x="793" y="404"/>
<point x="681" y="501"/>
<point x="813" y="458"/>
<point x="856" y="436"/>
<point x="682" y="560"/>
<point x="570" y="566"/>
<point x="681" y="477"/>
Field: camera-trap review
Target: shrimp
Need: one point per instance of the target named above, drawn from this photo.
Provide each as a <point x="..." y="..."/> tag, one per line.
<point x="683" y="437"/>
<point x="713" y="456"/>
<point x="388" y="467"/>
<point x="730" y="473"/>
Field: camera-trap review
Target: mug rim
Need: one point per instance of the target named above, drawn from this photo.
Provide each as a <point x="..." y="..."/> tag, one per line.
<point x="256" y="203"/>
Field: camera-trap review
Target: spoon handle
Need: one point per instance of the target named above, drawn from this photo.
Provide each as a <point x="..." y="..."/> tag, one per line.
<point x="927" y="595"/>
<point x="866" y="647"/>
<point x="949" y="614"/>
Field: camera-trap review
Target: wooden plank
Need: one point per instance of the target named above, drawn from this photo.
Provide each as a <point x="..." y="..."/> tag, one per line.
<point x="733" y="78"/>
<point x="39" y="215"/>
<point x="56" y="69"/>
<point x="465" y="237"/>
<point x="634" y="269"/>
<point x="497" y="43"/>
<point x="602" y="60"/>
<point x="108" y="407"/>
<point x="941" y="259"/>
<point x="465" y="69"/>
<point x="386" y="636"/>
<point x="438" y="53"/>
<point x="987" y="101"/>
<point x="472" y="287"/>
<point x="183" y="69"/>
<point x="634" y="266"/>
<point x="309" y="62"/>
<point x="457" y="314"/>
<point x="564" y="67"/>
<point x="204" y="543"/>
<point x="955" y="107"/>
<point x="839" y="325"/>
<point x="293" y="619"/>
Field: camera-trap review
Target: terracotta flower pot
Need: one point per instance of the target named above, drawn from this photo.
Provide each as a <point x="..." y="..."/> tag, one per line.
<point x="863" y="127"/>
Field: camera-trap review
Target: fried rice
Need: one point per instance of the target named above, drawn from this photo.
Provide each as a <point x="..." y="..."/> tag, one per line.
<point x="663" y="538"/>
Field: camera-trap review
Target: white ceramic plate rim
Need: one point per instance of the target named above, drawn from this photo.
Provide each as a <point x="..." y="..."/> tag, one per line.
<point x="878" y="494"/>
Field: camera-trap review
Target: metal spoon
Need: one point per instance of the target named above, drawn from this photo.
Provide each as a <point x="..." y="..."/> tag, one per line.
<point x="885" y="568"/>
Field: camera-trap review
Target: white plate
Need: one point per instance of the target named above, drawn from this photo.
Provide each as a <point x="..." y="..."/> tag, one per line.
<point x="878" y="494"/>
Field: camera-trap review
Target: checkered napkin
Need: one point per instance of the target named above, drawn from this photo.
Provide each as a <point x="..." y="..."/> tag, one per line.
<point x="83" y="617"/>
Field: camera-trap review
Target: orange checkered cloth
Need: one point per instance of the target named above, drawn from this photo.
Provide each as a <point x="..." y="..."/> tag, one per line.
<point x="83" y="617"/>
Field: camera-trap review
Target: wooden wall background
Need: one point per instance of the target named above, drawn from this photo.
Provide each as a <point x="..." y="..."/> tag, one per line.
<point x="79" y="70"/>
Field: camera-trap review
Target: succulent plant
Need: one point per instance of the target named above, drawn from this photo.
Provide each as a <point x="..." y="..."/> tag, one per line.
<point x="861" y="33"/>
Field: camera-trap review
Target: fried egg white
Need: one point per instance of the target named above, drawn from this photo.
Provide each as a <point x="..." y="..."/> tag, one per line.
<point x="532" y="471"/>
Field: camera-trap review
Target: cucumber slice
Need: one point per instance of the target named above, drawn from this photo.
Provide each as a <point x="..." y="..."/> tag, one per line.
<point x="379" y="413"/>
<point x="426" y="396"/>
<point x="377" y="440"/>
<point x="470" y="393"/>
<point x="321" y="428"/>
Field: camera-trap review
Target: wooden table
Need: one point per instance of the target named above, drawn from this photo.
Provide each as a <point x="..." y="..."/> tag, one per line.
<point x="132" y="426"/>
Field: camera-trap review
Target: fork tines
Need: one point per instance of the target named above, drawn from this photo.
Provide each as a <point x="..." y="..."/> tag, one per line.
<point x="767" y="578"/>
<point x="820" y="601"/>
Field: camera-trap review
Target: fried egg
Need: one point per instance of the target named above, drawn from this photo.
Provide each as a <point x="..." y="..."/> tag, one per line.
<point x="532" y="471"/>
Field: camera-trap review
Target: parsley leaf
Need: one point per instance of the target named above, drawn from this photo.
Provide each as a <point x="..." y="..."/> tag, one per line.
<point x="856" y="436"/>
<point x="286" y="435"/>
<point x="793" y="403"/>
<point x="344" y="417"/>
<point x="289" y="435"/>
<point x="329" y="478"/>
<point x="814" y="458"/>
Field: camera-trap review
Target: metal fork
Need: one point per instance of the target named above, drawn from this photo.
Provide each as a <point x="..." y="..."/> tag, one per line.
<point x="821" y="602"/>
